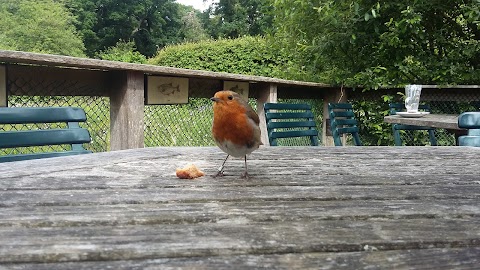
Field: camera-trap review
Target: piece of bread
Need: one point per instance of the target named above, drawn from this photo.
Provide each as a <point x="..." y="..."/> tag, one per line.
<point x="189" y="172"/>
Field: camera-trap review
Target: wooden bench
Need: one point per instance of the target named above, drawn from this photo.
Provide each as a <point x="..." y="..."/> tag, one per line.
<point x="40" y="133"/>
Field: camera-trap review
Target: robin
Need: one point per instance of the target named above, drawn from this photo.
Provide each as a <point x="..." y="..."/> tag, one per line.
<point x="235" y="127"/>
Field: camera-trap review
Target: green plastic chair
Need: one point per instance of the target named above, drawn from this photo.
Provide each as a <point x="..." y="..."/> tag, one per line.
<point x="470" y="121"/>
<point x="286" y="120"/>
<point x="396" y="107"/>
<point x="342" y="121"/>
<point x="72" y="134"/>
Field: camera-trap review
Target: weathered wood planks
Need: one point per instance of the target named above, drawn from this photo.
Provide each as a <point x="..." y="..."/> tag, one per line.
<point x="457" y="258"/>
<point x="305" y="207"/>
<point x="446" y="121"/>
<point x="103" y="65"/>
<point x="127" y="110"/>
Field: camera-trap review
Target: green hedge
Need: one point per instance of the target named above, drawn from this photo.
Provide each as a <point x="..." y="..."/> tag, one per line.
<point x="247" y="55"/>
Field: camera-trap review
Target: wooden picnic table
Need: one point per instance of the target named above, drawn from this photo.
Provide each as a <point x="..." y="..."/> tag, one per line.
<point x="303" y="208"/>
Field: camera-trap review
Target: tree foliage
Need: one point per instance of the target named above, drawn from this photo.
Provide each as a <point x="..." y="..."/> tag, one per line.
<point x="236" y="18"/>
<point x="150" y="24"/>
<point x="42" y="26"/>
<point x="192" y="28"/>
<point x="375" y="43"/>
<point x="124" y="52"/>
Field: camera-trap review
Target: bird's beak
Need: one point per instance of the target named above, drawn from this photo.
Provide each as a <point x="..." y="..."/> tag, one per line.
<point x="214" y="99"/>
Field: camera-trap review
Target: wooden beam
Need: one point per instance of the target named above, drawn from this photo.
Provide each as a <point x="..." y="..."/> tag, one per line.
<point x="3" y="86"/>
<point x="53" y="81"/>
<point x="268" y="93"/>
<point x="127" y="110"/>
<point x="103" y="65"/>
<point x="203" y="88"/>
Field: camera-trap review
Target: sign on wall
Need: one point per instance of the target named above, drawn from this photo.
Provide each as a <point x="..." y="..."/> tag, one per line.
<point x="240" y="87"/>
<point x="3" y="86"/>
<point x="166" y="90"/>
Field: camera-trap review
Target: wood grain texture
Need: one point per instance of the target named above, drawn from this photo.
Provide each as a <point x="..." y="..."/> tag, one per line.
<point x="458" y="258"/>
<point x="127" y="98"/>
<point x="446" y="121"/>
<point x="267" y="94"/>
<point x="53" y="81"/>
<point x="304" y="208"/>
<point x="87" y="63"/>
<point x="3" y="86"/>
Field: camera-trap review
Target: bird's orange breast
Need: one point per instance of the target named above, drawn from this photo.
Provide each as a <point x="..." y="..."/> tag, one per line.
<point x="231" y="123"/>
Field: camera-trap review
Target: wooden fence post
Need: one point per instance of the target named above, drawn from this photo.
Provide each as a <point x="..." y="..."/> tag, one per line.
<point x="335" y="96"/>
<point x="3" y="86"/>
<point x="266" y="94"/>
<point x="127" y="110"/>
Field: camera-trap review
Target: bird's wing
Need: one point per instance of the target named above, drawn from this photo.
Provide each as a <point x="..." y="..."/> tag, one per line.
<point x="252" y="115"/>
<point x="249" y="111"/>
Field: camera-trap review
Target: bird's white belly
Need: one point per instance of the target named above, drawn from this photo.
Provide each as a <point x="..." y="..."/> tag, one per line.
<point x="235" y="150"/>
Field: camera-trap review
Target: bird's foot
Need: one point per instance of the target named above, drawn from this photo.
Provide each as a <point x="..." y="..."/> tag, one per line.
<point x="220" y="169"/>
<point x="245" y="176"/>
<point x="218" y="174"/>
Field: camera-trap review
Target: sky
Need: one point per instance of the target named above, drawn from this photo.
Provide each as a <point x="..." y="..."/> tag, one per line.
<point x="198" y="4"/>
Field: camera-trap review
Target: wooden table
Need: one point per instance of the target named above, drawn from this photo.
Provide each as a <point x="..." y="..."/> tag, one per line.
<point x="304" y="208"/>
<point x="446" y="121"/>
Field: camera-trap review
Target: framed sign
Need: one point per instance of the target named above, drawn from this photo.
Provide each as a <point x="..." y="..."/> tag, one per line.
<point x="240" y="87"/>
<point x="3" y="86"/>
<point x="166" y="90"/>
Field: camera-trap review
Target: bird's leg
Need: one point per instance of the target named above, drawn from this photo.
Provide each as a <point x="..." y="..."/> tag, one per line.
<point x="245" y="174"/>
<point x="220" y="170"/>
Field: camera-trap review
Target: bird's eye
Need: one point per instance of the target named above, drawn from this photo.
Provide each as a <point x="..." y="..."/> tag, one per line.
<point x="230" y="97"/>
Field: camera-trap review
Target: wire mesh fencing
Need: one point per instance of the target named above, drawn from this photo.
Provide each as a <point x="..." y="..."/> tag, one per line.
<point x="98" y="120"/>
<point x="179" y="125"/>
<point x="444" y="137"/>
<point x="46" y="93"/>
<point x="190" y="124"/>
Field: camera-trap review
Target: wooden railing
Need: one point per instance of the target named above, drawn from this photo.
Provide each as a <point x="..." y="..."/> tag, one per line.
<point x="124" y="84"/>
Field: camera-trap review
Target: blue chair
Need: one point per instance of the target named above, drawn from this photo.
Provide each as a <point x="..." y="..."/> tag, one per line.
<point x="289" y="121"/>
<point x="342" y="121"/>
<point x="470" y="121"/>
<point x="396" y="107"/>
